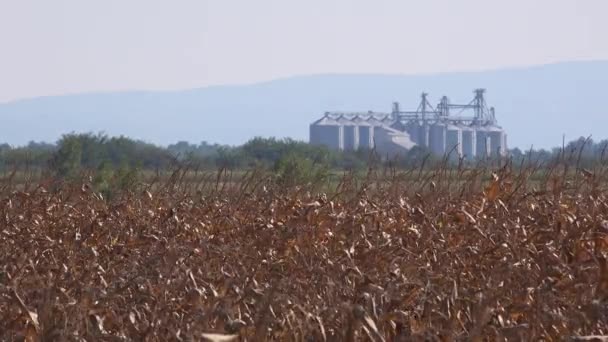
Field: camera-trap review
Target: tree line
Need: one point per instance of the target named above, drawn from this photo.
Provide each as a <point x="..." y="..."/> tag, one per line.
<point x="76" y="153"/>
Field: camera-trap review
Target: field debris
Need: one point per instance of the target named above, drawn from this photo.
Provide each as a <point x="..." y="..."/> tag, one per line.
<point x="500" y="263"/>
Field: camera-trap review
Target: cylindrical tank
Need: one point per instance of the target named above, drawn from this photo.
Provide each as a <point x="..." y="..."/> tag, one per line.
<point x="483" y="141"/>
<point x="330" y="135"/>
<point x="497" y="141"/>
<point x="366" y="136"/>
<point x="454" y="141"/>
<point x="469" y="142"/>
<point x="413" y="129"/>
<point x="437" y="138"/>
<point x="424" y="134"/>
<point x="351" y="136"/>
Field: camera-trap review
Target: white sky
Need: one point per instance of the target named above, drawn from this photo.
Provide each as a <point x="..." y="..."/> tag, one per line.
<point x="50" y="47"/>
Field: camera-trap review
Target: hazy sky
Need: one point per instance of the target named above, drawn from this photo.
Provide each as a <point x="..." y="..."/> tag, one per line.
<point x="53" y="47"/>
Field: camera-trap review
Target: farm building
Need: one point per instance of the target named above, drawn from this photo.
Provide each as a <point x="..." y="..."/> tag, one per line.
<point x="436" y="128"/>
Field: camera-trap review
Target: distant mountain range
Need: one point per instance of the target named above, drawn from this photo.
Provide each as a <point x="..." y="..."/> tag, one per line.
<point x="536" y="106"/>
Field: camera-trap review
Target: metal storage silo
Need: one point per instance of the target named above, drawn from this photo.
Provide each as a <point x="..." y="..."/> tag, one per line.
<point x="437" y="138"/>
<point x="412" y="128"/>
<point x="365" y="133"/>
<point x="483" y="141"/>
<point x="420" y="132"/>
<point x="374" y="123"/>
<point x="350" y="133"/>
<point x="425" y="134"/>
<point x="497" y="141"/>
<point x="366" y="136"/>
<point x="469" y="142"/>
<point x="454" y="140"/>
<point x="327" y="131"/>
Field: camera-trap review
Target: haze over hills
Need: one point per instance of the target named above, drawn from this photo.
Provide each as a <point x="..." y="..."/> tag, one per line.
<point x="535" y="105"/>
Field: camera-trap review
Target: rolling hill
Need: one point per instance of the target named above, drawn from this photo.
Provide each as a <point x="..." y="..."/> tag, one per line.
<point x="536" y="105"/>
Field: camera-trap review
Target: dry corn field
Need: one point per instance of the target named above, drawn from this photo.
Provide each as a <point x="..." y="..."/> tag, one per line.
<point x="427" y="261"/>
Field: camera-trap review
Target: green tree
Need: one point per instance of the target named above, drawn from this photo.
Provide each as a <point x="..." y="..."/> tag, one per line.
<point x="67" y="159"/>
<point x="292" y="169"/>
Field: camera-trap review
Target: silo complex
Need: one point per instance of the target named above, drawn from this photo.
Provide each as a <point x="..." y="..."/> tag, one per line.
<point x="432" y="127"/>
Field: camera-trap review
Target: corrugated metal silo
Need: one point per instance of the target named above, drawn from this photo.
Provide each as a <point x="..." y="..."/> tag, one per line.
<point x="424" y="134"/>
<point x="469" y="142"/>
<point x="328" y="132"/>
<point x="437" y="138"/>
<point x="366" y="137"/>
<point x="418" y="131"/>
<point x="366" y="133"/>
<point x="454" y="141"/>
<point x="483" y="141"/>
<point x="497" y="141"/>
<point x="413" y="129"/>
<point x="351" y="136"/>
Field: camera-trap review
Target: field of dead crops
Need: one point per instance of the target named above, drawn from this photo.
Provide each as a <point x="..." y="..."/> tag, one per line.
<point x="425" y="261"/>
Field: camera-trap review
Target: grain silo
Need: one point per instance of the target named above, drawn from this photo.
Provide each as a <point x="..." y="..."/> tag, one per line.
<point x="366" y="133"/>
<point x="437" y="139"/>
<point x="350" y="133"/>
<point x="482" y="137"/>
<point x="419" y="131"/>
<point x="469" y="142"/>
<point x="497" y="141"/>
<point x="453" y="140"/>
<point x="327" y="131"/>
